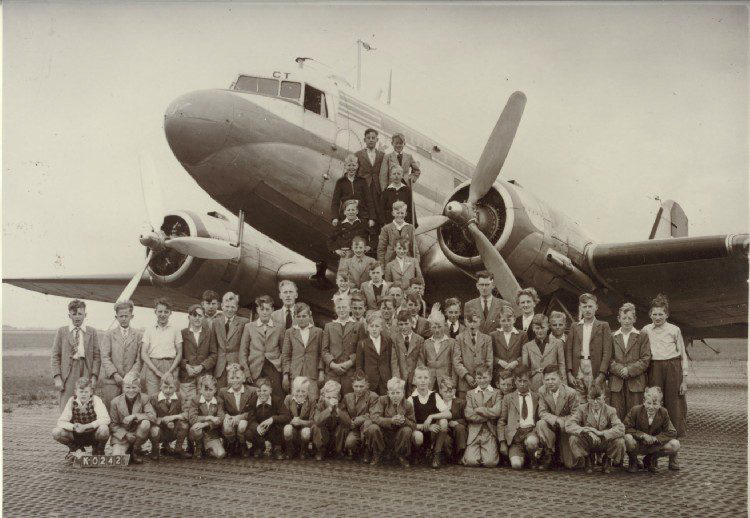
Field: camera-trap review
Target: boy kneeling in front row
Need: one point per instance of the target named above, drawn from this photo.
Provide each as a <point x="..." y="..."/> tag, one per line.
<point x="84" y="421"/>
<point x="392" y="424"/>
<point x="132" y="416"/>
<point x="649" y="432"/>
<point x="206" y="415"/>
<point x="595" y="428"/>
<point x="171" y="421"/>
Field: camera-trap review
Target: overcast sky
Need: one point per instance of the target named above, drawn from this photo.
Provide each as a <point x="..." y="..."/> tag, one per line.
<point x="625" y="102"/>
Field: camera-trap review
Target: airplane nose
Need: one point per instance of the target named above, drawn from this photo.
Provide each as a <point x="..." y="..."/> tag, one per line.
<point x="197" y="124"/>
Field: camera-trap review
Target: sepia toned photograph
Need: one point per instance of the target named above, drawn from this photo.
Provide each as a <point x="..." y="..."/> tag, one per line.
<point x="375" y="259"/>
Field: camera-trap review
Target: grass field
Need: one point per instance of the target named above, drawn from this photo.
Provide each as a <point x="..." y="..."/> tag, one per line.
<point x="27" y="378"/>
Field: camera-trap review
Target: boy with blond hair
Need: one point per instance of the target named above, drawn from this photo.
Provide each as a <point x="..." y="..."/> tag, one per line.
<point x="402" y="268"/>
<point x="438" y="351"/>
<point x="83" y="422"/>
<point x="236" y="400"/>
<point x="327" y="421"/>
<point x="649" y="432"/>
<point x="392" y="425"/>
<point x="431" y="415"/>
<point x="131" y="416"/>
<point x="356" y="269"/>
<point x="396" y="192"/>
<point x="397" y="228"/>
<point x="298" y="433"/>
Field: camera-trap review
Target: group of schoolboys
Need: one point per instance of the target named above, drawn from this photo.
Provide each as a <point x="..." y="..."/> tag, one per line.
<point x="380" y="380"/>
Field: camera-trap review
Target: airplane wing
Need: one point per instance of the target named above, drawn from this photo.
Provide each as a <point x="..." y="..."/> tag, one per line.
<point x="705" y="279"/>
<point x="103" y="288"/>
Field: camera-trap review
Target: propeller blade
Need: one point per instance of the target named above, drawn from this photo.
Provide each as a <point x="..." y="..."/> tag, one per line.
<point x="151" y="190"/>
<point x="497" y="147"/>
<point x="431" y="223"/>
<point x="505" y="281"/>
<point x="203" y="247"/>
<point x="133" y="284"/>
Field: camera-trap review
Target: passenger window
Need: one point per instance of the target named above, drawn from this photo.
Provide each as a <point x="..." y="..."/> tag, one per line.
<point x="315" y="101"/>
<point x="247" y="83"/>
<point x="290" y="90"/>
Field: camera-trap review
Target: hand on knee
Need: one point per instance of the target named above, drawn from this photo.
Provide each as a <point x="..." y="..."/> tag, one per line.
<point x="143" y="428"/>
<point x="58" y="434"/>
<point x="630" y="443"/>
<point x="242" y="427"/>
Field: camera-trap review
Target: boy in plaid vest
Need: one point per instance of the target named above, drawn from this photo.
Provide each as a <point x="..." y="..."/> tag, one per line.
<point x="84" y="421"/>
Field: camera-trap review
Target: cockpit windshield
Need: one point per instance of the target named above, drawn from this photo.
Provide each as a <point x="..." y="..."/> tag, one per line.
<point x="271" y="87"/>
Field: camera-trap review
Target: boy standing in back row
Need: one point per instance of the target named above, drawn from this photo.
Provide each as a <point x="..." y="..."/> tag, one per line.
<point x="75" y="353"/>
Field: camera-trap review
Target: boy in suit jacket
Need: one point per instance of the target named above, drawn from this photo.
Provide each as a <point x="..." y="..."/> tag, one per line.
<point x="455" y="439"/>
<point x="557" y="402"/>
<point x="171" y="421"/>
<point x="75" y="353"/>
<point x="210" y="302"/>
<point x="369" y="162"/>
<point x="339" y="348"/>
<point x="301" y="352"/>
<point x="131" y="416"/>
<point x="507" y="343"/>
<point x="327" y="421"/>
<point x="260" y="347"/>
<point x="301" y="408"/>
<point x="357" y="267"/>
<point x="392" y="425"/>
<point x="266" y="419"/>
<point x="375" y="288"/>
<point x="396" y="192"/>
<point x="120" y="353"/>
<point x="649" y="432"/>
<point x="402" y="269"/>
<point x="236" y="399"/>
<point x="198" y="354"/>
<point x="487" y="306"/>
<point x="205" y="416"/>
<point x="631" y="355"/>
<point x="595" y="428"/>
<point x="453" y="324"/>
<point x="226" y="333"/>
<point x="438" y="351"/>
<point x="407" y="350"/>
<point x="542" y="351"/>
<point x="397" y="228"/>
<point x="352" y="187"/>
<point x="355" y="418"/>
<point x="340" y="241"/>
<point x="588" y="350"/>
<point x="375" y="355"/>
<point x="471" y="350"/>
<point x="83" y="422"/>
<point x="516" y="426"/>
<point x="409" y="167"/>
<point x="483" y="407"/>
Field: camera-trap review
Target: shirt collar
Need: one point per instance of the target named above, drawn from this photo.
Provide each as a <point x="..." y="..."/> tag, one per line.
<point x="241" y="391"/>
<point x="632" y="331"/>
<point x="488" y="389"/>
<point x="157" y="326"/>
<point x="437" y="341"/>
<point x="582" y="322"/>
<point x="71" y="327"/>
<point x="302" y="328"/>
<point x="195" y="330"/>
<point x="345" y="321"/>
<point x="416" y="393"/>
<point x="375" y="339"/>
<point x="300" y="402"/>
<point x="401" y="185"/>
<point x="513" y="331"/>
<point x="259" y="402"/>
<point x="203" y="400"/>
<point x="399" y="227"/>
<point x="352" y="221"/>
<point x="162" y="397"/>
<point x="269" y="324"/>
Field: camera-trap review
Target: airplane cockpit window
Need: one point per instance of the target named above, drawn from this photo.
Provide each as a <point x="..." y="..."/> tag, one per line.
<point x="259" y="85"/>
<point x="268" y="86"/>
<point x="290" y="90"/>
<point x="315" y="101"/>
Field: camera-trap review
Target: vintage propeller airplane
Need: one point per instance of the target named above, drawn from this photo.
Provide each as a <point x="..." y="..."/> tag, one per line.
<point x="269" y="149"/>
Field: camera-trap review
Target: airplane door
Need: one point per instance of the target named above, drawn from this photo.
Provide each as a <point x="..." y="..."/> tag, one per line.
<point x="318" y="119"/>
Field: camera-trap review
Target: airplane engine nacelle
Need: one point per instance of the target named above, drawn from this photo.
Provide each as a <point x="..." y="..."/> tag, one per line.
<point x="495" y="217"/>
<point x="170" y="268"/>
<point x="543" y="247"/>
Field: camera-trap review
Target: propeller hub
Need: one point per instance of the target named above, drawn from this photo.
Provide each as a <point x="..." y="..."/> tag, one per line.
<point x="153" y="240"/>
<point x="459" y="213"/>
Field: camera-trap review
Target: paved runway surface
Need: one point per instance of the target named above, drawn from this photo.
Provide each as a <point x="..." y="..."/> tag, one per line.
<point x="713" y="481"/>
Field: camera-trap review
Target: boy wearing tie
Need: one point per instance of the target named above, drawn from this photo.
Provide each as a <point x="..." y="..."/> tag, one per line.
<point x="515" y="428"/>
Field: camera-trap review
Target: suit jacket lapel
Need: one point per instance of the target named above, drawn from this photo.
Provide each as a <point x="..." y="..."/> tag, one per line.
<point x="233" y="327"/>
